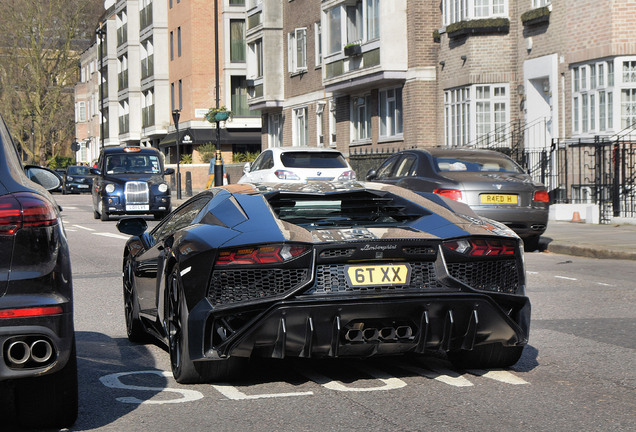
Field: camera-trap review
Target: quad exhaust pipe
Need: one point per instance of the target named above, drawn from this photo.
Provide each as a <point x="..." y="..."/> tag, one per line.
<point x="384" y="334"/>
<point x="37" y="352"/>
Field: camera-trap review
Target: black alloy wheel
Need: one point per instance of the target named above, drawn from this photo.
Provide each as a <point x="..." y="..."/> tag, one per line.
<point x="184" y="370"/>
<point x="134" y="328"/>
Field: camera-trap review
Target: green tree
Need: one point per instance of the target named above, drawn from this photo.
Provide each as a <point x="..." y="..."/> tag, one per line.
<point x="40" y="45"/>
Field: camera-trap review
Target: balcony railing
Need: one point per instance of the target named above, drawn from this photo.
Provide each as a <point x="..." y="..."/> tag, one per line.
<point x="145" y="17"/>
<point x="148" y="116"/>
<point x="122" y="35"/>
<point x="124" y="124"/>
<point x="122" y="80"/>
<point x="147" y="67"/>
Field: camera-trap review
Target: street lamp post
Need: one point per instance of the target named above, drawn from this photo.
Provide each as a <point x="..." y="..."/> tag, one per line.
<point x="100" y="33"/>
<point x="218" y="164"/>
<point x="175" y="117"/>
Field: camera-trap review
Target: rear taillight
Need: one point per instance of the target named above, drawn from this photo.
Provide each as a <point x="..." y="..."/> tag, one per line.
<point x="286" y="175"/>
<point x="30" y="312"/>
<point x="347" y="176"/>
<point x="483" y="247"/>
<point x="453" y="194"/>
<point x="260" y="254"/>
<point x="541" y="196"/>
<point x="25" y="210"/>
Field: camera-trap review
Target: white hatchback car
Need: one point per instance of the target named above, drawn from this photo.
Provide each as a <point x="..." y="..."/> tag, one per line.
<point x="298" y="164"/>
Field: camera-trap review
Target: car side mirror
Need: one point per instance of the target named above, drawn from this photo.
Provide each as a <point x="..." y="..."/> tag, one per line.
<point x="371" y="174"/>
<point x="168" y="171"/>
<point x="247" y="167"/>
<point x="45" y="177"/>
<point x="134" y="226"/>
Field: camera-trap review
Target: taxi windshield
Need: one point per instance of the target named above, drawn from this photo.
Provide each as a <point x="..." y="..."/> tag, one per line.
<point x="132" y="164"/>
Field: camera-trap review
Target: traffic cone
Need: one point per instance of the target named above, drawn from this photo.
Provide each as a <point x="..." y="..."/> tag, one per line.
<point x="576" y="217"/>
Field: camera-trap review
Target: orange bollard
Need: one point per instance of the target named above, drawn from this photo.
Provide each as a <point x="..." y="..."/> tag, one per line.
<point x="576" y="217"/>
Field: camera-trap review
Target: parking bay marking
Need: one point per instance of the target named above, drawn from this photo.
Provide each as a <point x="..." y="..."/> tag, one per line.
<point x="388" y="382"/>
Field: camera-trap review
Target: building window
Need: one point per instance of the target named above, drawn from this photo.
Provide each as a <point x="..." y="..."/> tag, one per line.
<point x="80" y="114"/>
<point x="297" y="52"/>
<point x="463" y="10"/>
<point x="390" y="112"/>
<point x="593" y="88"/>
<point x="172" y="99"/>
<point x="540" y="3"/>
<point x="255" y="64"/>
<point x="237" y="41"/>
<point x="237" y="3"/>
<point x="171" y="45"/>
<point x="275" y="129"/>
<point x="357" y="21"/>
<point x="332" y="123"/>
<point x="490" y="112"/>
<point x="361" y="118"/>
<point x="180" y="94"/>
<point x="318" y="43"/>
<point x="320" y="125"/>
<point x="178" y="41"/>
<point x="240" y="108"/>
<point x="300" y="127"/>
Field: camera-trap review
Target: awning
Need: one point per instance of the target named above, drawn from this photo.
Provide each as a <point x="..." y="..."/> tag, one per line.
<point x="204" y="136"/>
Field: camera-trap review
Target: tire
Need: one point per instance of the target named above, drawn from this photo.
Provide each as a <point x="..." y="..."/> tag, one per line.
<point x="184" y="370"/>
<point x="103" y="214"/>
<point x="134" y="328"/>
<point x="486" y="357"/>
<point x="531" y="244"/>
<point x="49" y="401"/>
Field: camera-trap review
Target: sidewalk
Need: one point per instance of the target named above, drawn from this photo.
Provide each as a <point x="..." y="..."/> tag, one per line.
<point x="611" y="241"/>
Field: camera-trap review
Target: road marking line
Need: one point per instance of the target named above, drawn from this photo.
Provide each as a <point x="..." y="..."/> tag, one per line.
<point x="113" y="381"/>
<point x="84" y="228"/>
<point x="233" y="393"/>
<point x="566" y="278"/>
<point x="532" y="272"/>
<point x="389" y="382"/>
<point x="117" y="236"/>
<point x="499" y="375"/>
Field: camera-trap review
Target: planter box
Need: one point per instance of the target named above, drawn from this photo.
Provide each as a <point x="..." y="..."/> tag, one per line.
<point x="482" y="26"/>
<point x="352" y="50"/>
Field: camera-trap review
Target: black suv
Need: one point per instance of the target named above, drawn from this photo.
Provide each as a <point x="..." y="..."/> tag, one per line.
<point x="77" y="179"/>
<point x="38" y="364"/>
<point x="130" y="180"/>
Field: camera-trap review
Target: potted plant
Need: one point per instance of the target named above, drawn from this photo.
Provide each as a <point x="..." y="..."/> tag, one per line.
<point x="352" y="49"/>
<point x="218" y="114"/>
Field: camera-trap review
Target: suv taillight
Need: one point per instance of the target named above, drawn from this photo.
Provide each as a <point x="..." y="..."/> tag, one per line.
<point x="25" y="210"/>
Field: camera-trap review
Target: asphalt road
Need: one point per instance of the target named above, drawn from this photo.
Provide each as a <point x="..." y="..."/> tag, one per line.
<point x="578" y="373"/>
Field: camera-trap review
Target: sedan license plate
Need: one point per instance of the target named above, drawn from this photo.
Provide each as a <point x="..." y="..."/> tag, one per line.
<point x="137" y="207"/>
<point x="82" y="186"/>
<point x="498" y="199"/>
<point x="385" y="274"/>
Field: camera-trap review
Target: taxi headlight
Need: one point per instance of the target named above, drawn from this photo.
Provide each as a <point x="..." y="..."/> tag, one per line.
<point x="110" y="188"/>
<point x="163" y="188"/>
<point x="69" y="178"/>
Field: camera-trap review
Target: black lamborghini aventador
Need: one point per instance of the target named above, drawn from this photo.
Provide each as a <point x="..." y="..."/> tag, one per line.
<point x="323" y="270"/>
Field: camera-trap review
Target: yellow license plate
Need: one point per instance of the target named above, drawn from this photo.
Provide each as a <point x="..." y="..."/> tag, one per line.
<point x="386" y="274"/>
<point x="498" y="199"/>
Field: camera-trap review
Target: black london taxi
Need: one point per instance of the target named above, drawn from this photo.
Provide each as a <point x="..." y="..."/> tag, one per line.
<point x="130" y="180"/>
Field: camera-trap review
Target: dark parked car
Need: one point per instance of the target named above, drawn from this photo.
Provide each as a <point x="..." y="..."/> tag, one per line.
<point x="38" y="366"/>
<point x="77" y="179"/>
<point x="130" y="180"/>
<point x="323" y="270"/>
<point x="491" y="183"/>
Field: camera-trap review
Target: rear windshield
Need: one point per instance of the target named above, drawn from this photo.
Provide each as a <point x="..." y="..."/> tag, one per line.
<point x="477" y="163"/>
<point x="313" y="160"/>
<point x="78" y="170"/>
<point x="368" y="208"/>
<point x="132" y="164"/>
